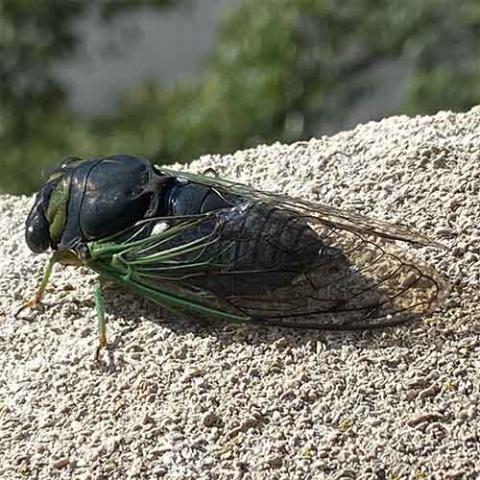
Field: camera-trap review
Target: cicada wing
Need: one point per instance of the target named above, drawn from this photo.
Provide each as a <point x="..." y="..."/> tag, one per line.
<point x="232" y="265"/>
<point x="314" y="211"/>
<point x="357" y="283"/>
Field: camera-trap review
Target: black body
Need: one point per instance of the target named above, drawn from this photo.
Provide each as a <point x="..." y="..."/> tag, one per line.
<point x="265" y="247"/>
<point x="209" y="247"/>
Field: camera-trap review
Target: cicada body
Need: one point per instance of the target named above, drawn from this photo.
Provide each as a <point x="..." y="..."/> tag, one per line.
<point x="202" y="246"/>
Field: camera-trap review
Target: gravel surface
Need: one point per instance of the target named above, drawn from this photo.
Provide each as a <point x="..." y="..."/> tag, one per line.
<point x="182" y="400"/>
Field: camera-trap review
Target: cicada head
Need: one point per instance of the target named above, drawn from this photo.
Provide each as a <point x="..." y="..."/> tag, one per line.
<point x="89" y="199"/>
<point x="48" y="214"/>
<point x="37" y="232"/>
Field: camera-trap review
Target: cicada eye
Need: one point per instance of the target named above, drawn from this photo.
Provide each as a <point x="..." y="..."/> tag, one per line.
<point x="37" y="233"/>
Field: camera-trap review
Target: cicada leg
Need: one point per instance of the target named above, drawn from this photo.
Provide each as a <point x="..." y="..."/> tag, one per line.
<point x="36" y="301"/>
<point x="102" y="328"/>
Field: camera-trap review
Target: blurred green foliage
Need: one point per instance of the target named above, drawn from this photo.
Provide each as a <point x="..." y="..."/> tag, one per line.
<point x="281" y="70"/>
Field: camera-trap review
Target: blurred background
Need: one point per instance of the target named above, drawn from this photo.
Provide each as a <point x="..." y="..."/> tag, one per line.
<point x="173" y="79"/>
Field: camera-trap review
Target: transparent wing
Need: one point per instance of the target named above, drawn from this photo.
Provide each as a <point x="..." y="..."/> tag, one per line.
<point x="275" y="260"/>
<point x="316" y="212"/>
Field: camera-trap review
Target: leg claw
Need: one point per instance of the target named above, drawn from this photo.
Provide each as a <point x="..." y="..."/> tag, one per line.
<point x="33" y="304"/>
<point x="101" y="345"/>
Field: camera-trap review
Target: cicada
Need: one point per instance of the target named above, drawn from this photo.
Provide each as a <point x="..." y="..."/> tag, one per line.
<point x="210" y="248"/>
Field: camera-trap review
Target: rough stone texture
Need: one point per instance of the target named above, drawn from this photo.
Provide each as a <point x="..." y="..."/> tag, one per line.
<point x="181" y="400"/>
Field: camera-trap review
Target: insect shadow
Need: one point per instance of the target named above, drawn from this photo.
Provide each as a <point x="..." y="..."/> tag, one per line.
<point x="275" y="338"/>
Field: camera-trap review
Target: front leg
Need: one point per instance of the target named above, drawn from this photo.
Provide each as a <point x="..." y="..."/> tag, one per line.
<point x="100" y="309"/>
<point x="35" y="302"/>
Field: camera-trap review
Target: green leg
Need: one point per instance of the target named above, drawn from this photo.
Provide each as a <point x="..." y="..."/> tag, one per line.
<point x="100" y="309"/>
<point x="43" y="285"/>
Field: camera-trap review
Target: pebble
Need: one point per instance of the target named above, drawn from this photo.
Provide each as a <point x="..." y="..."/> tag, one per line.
<point x="209" y="420"/>
<point x="61" y="463"/>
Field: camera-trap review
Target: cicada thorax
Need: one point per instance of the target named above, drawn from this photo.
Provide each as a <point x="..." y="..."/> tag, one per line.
<point x="107" y="196"/>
